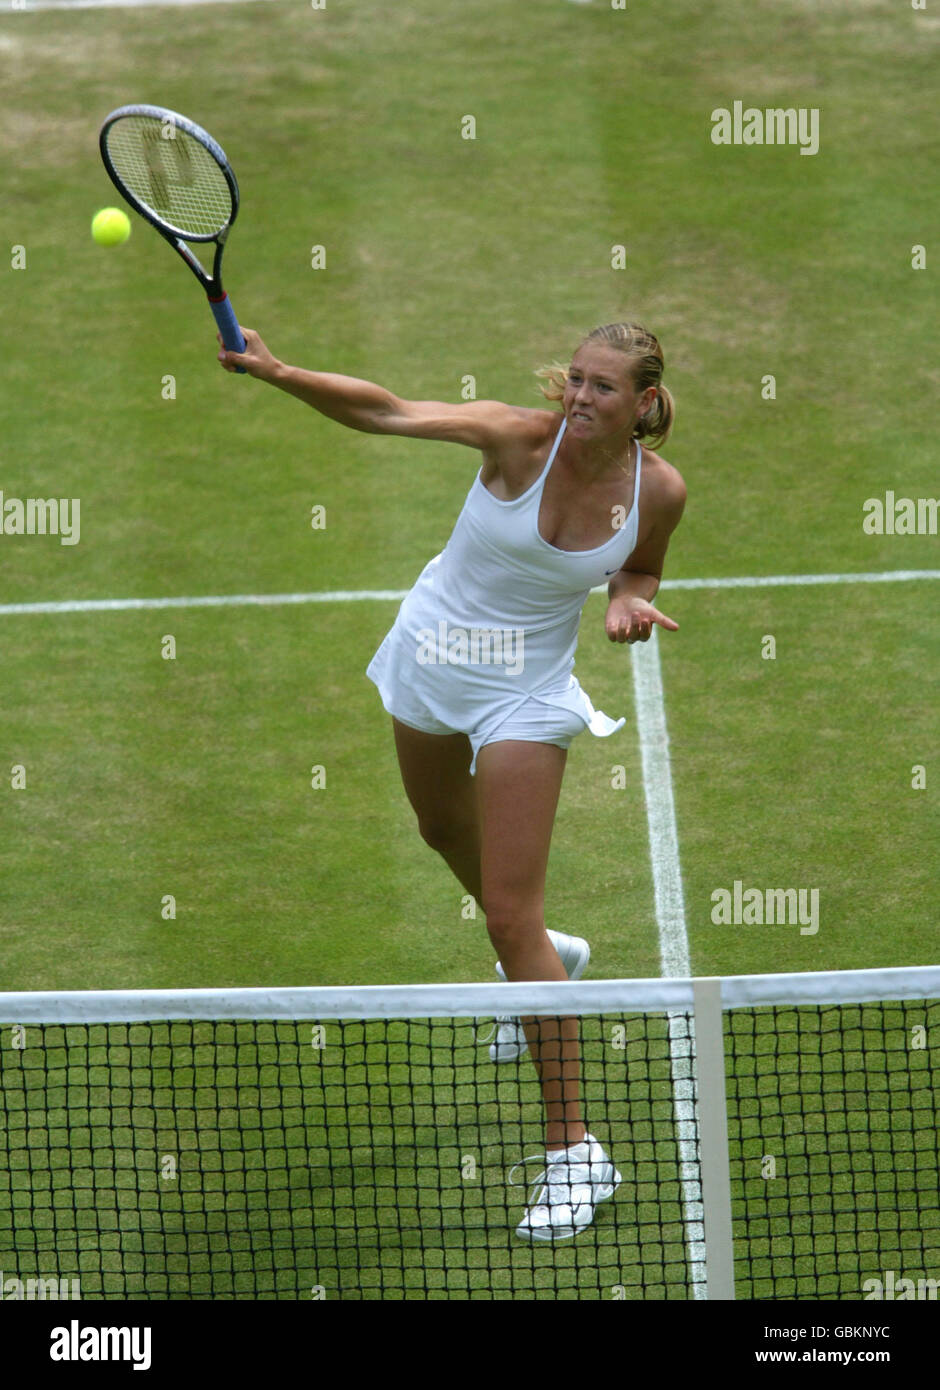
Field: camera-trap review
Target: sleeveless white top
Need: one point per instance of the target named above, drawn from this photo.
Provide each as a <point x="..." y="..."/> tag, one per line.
<point x="498" y="573"/>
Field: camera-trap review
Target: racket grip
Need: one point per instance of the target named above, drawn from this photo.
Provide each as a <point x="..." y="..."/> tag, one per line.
<point x="228" y="326"/>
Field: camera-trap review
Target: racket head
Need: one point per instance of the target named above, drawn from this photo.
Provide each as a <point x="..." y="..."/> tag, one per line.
<point x="171" y="171"/>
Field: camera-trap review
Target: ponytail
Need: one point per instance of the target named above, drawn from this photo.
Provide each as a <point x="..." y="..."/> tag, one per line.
<point x="657" y="423"/>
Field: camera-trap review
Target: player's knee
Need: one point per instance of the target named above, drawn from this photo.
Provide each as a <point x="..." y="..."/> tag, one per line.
<point x="512" y="928"/>
<point x="447" y="834"/>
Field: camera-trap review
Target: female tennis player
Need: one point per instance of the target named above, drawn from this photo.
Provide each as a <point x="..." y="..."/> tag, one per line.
<point x="477" y="671"/>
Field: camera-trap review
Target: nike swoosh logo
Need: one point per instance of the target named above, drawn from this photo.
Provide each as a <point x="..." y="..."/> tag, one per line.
<point x="610" y="571"/>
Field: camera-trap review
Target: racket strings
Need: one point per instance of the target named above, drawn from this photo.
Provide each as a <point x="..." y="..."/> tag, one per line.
<point x="172" y="175"/>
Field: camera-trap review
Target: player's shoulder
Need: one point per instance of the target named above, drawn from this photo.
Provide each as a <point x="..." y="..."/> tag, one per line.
<point x="526" y="422"/>
<point x="513" y="426"/>
<point x="520" y="446"/>
<point x="662" y="479"/>
<point x="523" y="432"/>
<point x="534" y="427"/>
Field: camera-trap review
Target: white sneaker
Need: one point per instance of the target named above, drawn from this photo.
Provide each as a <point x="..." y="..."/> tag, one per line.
<point x="508" y="1039"/>
<point x="509" y="1044"/>
<point x="566" y="1193"/>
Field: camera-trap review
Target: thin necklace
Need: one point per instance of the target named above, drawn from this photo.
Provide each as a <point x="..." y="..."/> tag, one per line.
<point x="626" y="471"/>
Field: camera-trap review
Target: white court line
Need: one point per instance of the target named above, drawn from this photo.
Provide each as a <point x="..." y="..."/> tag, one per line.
<point x="673" y="937"/>
<point x="762" y="581"/>
<point x="100" y="605"/>
<point x="116" y="605"/>
<point x="29" y="5"/>
<point x="660" y="809"/>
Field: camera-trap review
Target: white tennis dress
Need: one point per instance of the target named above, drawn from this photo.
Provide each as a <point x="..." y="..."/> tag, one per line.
<point x="484" y="643"/>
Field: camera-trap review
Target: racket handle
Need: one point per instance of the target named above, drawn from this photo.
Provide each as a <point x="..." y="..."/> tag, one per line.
<point x="228" y="326"/>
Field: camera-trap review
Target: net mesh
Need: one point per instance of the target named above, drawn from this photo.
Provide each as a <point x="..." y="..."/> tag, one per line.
<point x="370" y="1159"/>
<point x="363" y="1159"/>
<point x="170" y="173"/>
<point x="833" y="1133"/>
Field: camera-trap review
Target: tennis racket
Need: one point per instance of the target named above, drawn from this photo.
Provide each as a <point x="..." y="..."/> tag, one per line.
<point x="175" y="175"/>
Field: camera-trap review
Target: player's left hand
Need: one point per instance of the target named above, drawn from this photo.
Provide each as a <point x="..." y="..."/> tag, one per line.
<point x="632" y="619"/>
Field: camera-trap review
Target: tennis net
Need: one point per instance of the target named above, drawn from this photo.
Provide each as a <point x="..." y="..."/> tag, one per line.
<point x="358" y="1143"/>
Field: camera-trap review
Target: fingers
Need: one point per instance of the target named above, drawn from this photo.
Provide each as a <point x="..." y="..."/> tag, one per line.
<point x="638" y="627"/>
<point x="254" y="356"/>
<point x="619" y="631"/>
<point x="223" y="354"/>
<point x="630" y="629"/>
<point x="230" y="359"/>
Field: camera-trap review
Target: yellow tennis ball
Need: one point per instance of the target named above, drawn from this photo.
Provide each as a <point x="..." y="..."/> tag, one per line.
<point x="110" y="227"/>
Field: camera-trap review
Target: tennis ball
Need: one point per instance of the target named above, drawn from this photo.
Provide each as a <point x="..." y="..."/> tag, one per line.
<point x="110" y="227"/>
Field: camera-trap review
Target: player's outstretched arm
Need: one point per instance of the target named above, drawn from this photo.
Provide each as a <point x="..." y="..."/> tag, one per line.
<point x="362" y="405"/>
<point x="346" y="399"/>
<point x="630" y="615"/>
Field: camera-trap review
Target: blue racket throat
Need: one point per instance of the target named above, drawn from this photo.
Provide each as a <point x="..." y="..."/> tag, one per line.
<point x="228" y="326"/>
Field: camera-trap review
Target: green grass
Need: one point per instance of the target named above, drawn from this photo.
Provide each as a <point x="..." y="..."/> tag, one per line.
<point x="190" y="779"/>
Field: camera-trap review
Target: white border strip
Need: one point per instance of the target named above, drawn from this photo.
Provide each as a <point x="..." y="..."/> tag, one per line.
<point x="713" y="1132"/>
<point x="464" y="1001"/>
<point x="366" y="1001"/>
<point x="832" y="987"/>
<point x="118" y="605"/>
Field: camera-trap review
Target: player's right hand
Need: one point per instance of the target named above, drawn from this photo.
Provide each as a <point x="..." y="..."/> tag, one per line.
<point x="631" y="619"/>
<point x="256" y="359"/>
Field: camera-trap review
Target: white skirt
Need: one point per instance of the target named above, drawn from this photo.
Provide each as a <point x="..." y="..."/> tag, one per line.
<point x="479" y="700"/>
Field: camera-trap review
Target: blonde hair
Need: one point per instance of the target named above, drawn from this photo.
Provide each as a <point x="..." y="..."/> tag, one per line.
<point x="645" y="361"/>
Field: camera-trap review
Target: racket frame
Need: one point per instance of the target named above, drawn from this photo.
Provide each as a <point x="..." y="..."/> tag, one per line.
<point x="177" y="236"/>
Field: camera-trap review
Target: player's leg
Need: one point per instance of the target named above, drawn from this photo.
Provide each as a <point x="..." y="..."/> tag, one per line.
<point x="519" y="787"/>
<point x="435" y="770"/>
<point x="443" y="795"/>
<point x="519" y="784"/>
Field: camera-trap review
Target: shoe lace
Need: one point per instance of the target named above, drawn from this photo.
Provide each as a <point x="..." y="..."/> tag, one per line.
<point x="552" y="1175"/>
<point x="560" y="1172"/>
<point x="494" y="1028"/>
<point x="534" y="1183"/>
